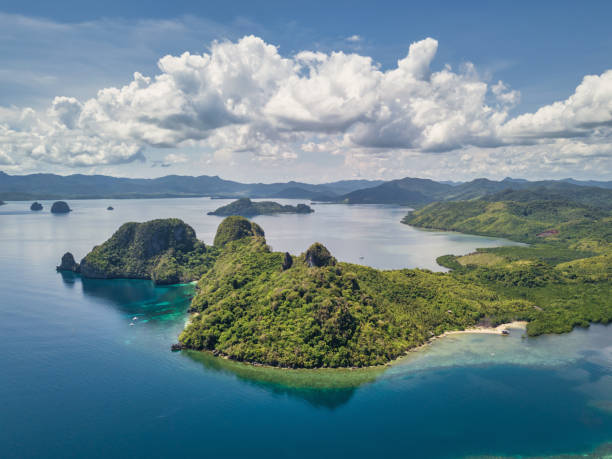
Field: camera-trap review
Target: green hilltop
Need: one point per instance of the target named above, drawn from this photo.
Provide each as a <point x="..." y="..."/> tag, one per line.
<point x="165" y="251"/>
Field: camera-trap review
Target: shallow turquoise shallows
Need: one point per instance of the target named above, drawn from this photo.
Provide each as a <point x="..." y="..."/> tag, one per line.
<point x="86" y="370"/>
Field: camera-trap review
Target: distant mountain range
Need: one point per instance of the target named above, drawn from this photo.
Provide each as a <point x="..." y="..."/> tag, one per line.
<point x="418" y="192"/>
<point x="78" y="186"/>
<point x="408" y="191"/>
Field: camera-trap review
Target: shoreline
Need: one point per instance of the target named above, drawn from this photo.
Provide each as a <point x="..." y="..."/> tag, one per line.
<point x="522" y="324"/>
<point x="517" y="324"/>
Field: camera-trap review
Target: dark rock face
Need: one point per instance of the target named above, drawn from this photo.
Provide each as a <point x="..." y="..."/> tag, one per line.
<point x="304" y="209"/>
<point x="234" y="228"/>
<point x="60" y="207"/>
<point x="317" y="255"/>
<point x="287" y="261"/>
<point x="135" y="249"/>
<point x="36" y="206"/>
<point x="177" y="347"/>
<point x="68" y="263"/>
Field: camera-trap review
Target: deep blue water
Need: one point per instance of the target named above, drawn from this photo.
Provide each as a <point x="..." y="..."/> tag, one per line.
<point x="78" y="380"/>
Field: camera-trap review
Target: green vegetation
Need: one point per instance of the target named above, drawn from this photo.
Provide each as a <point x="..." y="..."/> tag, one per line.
<point x="480" y="259"/>
<point x="165" y="251"/>
<point x="565" y="275"/>
<point x="324" y="313"/>
<point x="576" y="225"/>
<point x="581" y="195"/>
<point x="234" y="228"/>
<point x="247" y="208"/>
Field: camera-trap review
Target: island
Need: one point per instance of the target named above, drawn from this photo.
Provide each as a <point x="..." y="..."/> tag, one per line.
<point x="247" y="208"/>
<point x="2" y="202"/>
<point x="36" y="206"/>
<point x="60" y="207"/>
<point x="110" y="208"/>
<point x="165" y="251"/>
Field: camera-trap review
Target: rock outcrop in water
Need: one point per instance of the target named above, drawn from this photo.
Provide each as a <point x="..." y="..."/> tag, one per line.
<point x="36" y="206"/>
<point x="247" y="208"/>
<point x="165" y="251"/>
<point x="68" y="263"/>
<point x="60" y="207"/>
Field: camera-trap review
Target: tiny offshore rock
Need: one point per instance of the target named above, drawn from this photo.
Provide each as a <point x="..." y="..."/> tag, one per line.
<point x="60" y="207"/>
<point x="68" y="263"/>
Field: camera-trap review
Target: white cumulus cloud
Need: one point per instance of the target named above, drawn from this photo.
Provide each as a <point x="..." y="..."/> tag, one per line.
<point x="244" y="96"/>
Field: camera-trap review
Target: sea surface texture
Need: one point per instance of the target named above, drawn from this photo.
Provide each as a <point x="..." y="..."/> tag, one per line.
<point x="86" y="369"/>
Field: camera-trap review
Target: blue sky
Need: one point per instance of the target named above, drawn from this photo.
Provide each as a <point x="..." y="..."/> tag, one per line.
<point x="541" y="51"/>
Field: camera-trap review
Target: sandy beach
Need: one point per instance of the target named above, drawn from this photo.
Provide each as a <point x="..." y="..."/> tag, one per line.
<point x="488" y="330"/>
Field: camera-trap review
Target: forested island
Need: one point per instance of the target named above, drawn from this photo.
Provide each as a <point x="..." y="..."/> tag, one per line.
<point x="311" y="310"/>
<point x="247" y="208"/>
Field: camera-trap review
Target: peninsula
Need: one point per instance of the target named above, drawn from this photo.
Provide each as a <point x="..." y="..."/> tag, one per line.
<point x="565" y="272"/>
<point x="247" y="208"/>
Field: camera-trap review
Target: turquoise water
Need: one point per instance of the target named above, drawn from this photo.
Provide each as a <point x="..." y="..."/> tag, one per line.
<point x="87" y="371"/>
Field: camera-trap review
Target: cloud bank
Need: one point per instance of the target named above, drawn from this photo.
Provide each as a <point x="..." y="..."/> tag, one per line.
<point x="245" y="97"/>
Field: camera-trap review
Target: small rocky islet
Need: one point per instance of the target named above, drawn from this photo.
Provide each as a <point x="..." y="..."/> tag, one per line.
<point x="246" y="208"/>
<point x="36" y="206"/>
<point x="68" y="263"/>
<point x="60" y="207"/>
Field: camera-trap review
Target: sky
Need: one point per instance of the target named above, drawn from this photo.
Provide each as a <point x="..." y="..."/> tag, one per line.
<point x="313" y="91"/>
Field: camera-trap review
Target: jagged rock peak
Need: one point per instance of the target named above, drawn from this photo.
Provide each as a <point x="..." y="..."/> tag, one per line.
<point x="317" y="255"/>
<point x="287" y="261"/>
<point x="68" y="263"/>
